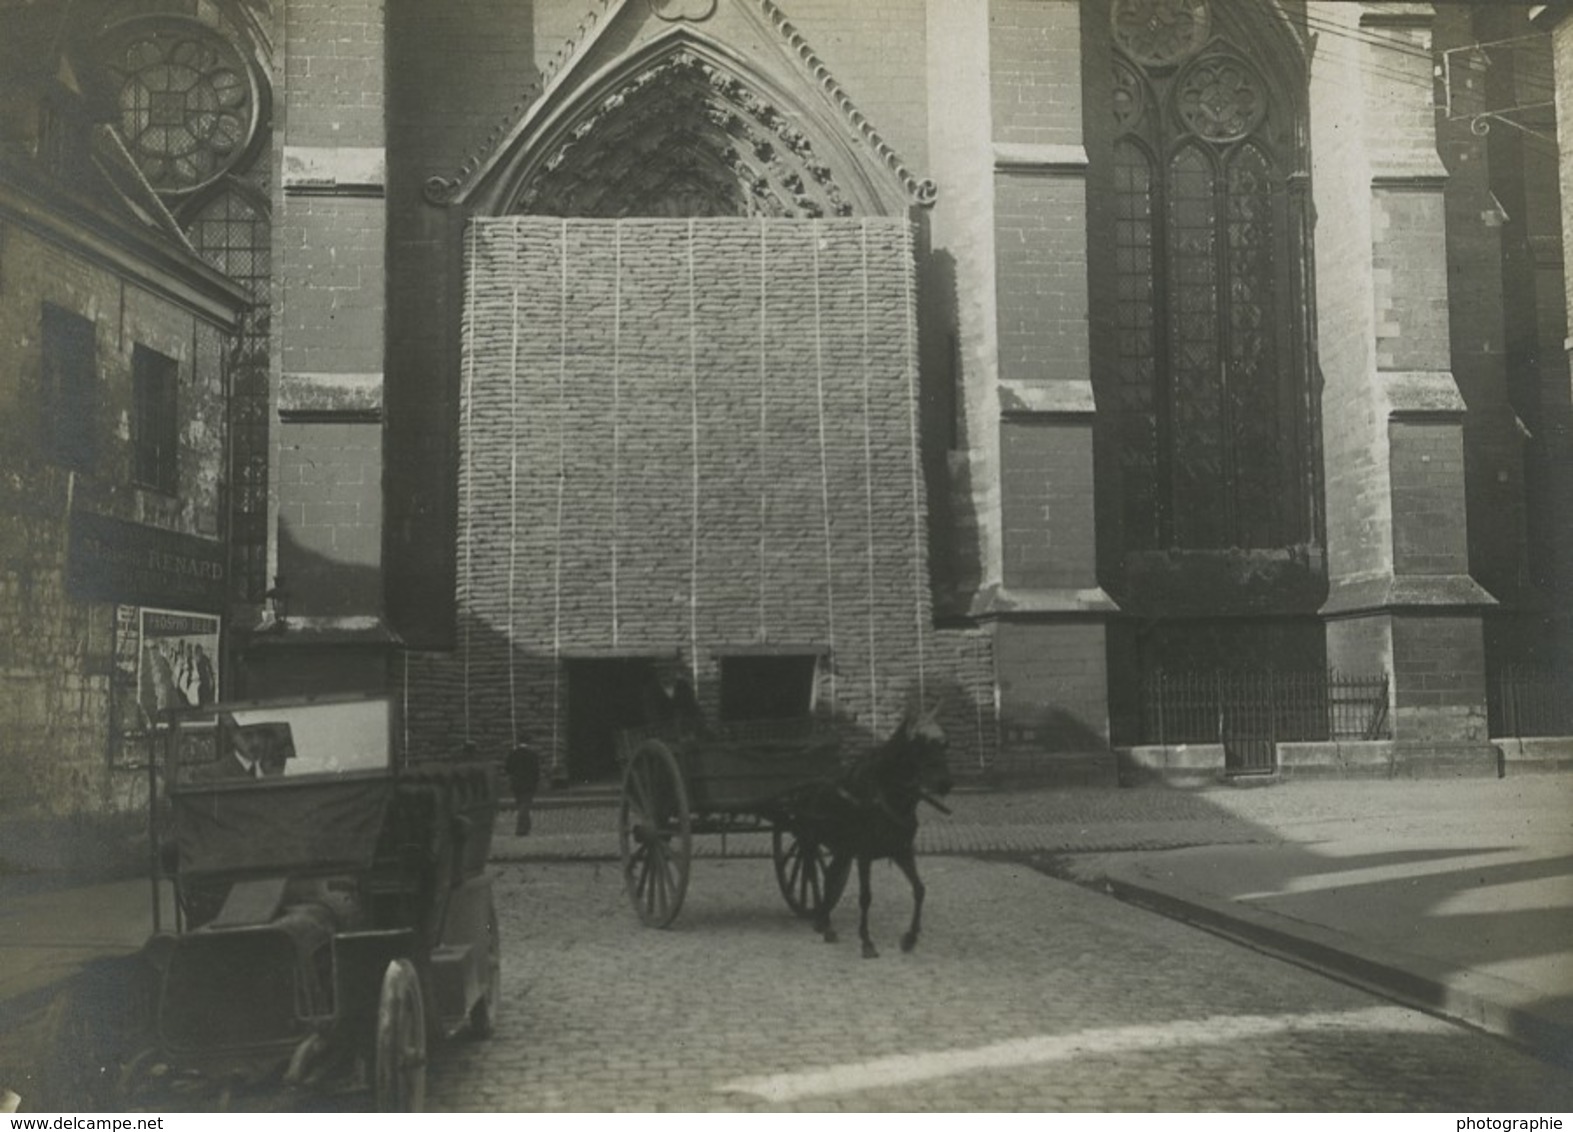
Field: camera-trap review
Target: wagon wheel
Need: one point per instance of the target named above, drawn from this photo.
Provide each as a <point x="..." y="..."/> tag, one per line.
<point x="800" y="871"/>
<point x="399" y="1053"/>
<point x="483" y="1015"/>
<point x="655" y="834"/>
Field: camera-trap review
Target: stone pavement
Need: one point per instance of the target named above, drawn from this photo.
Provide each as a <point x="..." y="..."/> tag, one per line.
<point x="1455" y="895"/>
<point x="1025" y="994"/>
<point x="1456" y="900"/>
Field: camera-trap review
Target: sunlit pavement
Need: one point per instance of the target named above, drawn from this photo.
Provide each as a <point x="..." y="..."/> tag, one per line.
<point x="1025" y="993"/>
<point x="1452" y="894"/>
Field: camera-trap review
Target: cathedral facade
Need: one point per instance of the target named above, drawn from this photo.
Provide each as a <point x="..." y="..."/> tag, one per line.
<point x="1064" y="366"/>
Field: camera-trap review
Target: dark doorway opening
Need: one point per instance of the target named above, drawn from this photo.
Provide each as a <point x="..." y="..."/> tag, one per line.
<point x="767" y="687"/>
<point x="604" y="696"/>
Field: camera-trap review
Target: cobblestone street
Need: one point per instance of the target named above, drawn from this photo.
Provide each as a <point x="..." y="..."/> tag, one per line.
<point x="1026" y="993"/>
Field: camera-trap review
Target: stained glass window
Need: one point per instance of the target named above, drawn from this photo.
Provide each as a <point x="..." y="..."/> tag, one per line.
<point x="188" y="100"/>
<point x="1133" y="261"/>
<point x="1201" y="354"/>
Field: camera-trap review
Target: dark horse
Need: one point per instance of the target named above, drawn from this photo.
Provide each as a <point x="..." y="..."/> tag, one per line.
<point x="871" y="813"/>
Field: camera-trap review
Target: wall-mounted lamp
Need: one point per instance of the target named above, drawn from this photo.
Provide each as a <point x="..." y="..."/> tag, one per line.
<point x="278" y="604"/>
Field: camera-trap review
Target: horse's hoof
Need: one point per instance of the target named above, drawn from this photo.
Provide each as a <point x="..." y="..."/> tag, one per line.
<point x="830" y="935"/>
<point x="870" y="951"/>
<point x="908" y="942"/>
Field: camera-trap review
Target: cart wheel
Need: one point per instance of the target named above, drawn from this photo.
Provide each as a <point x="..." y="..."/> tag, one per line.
<point x="483" y="1015"/>
<point x="655" y="834"/>
<point x="800" y="871"/>
<point x="399" y="1056"/>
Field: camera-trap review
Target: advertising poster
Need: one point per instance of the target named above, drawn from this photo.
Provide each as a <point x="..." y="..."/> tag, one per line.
<point x="177" y="661"/>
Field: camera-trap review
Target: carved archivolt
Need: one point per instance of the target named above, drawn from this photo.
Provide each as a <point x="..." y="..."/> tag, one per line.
<point x="684" y="138"/>
<point x="713" y="141"/>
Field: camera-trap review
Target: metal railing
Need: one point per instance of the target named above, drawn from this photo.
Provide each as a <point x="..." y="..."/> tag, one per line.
<point x="1218" y="706"/>
<point x="1528" y="702"/>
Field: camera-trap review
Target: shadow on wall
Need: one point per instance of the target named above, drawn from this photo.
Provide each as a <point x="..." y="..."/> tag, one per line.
<point x="320" y="585"/>
<point x="1055" y="729"/>
<point x="955" y="559"/>
<point x="342" y="659"/>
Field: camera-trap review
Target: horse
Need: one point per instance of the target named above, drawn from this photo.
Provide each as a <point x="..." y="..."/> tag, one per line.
<point x="869" y="814"/>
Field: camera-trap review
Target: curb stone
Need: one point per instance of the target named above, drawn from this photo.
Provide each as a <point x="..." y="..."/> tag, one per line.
<point x="1408" y="979"/>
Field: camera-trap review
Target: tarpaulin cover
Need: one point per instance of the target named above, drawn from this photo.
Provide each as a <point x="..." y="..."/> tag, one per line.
<point x="276" y="826"/>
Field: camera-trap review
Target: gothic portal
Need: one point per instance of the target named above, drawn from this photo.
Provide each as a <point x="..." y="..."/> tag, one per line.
<point x="689" y="437"/>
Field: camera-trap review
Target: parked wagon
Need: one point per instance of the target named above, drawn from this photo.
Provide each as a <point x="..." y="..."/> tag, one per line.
<point x="333" y="914"/>
<point x="685" y="778"/>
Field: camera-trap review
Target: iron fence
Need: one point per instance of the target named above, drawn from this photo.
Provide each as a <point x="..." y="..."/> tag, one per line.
<point x="1229" y="705"/>
<point x="1529" y="702"/>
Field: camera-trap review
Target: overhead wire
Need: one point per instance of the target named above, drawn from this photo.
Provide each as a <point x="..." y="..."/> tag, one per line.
<point x="1392" y="46"/>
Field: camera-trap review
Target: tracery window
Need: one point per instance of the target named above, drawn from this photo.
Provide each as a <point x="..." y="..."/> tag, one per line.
<point x="232" y="231"/>
<point x="189" y="102"/>
<point x="1210" y="386"/>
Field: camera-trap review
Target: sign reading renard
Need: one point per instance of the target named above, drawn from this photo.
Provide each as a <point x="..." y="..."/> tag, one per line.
<point x="113" y="560"/>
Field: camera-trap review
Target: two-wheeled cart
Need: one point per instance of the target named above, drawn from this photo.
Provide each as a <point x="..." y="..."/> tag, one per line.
<point x="684" y="779"/>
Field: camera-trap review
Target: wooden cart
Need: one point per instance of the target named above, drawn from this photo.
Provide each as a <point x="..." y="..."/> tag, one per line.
<point x="681" y="779"/>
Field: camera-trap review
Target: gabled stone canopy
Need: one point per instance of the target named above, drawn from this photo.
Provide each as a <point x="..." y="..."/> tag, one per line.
<point x="724" y="111"/>
<point x="684" y="138"/>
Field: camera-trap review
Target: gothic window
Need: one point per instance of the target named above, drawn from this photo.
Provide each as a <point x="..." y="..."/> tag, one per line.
<point x="1208" y="387"/>
<point x="232" y="231"/>
<point x="188" y="101"/>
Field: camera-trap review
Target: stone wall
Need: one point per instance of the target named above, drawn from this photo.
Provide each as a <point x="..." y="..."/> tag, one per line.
<point x="681" y="437"/>
<point x="56" y="650"/>
<point x="330" y="517"/>
<point x="330" y="287"/>
<point x="1354" y="428"/>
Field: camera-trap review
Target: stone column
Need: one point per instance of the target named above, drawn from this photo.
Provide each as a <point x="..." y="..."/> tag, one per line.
<point x="1050" y="615"/>
<point x="1401" y="598"/>
<point x="329" y="236"/>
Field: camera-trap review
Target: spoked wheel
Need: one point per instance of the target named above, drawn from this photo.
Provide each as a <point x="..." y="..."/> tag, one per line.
<point x="800" y="871"/>
<point x="483" y="1015"/>
<point x="655" y="834"/>
<point x="399" y="1055"/>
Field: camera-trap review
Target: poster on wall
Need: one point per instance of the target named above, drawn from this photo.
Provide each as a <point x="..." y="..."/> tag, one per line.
<point x="177" y="661"/>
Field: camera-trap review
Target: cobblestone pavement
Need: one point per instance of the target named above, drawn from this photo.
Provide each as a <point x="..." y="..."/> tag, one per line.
<point x="1026" y="993"/>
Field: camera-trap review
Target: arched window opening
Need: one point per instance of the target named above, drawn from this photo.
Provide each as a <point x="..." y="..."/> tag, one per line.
<point x="232" y="230"/>
<point x="1210" y="375"/>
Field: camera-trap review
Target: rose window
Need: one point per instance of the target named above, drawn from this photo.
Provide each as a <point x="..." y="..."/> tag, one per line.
<point x="188" y="102"/>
